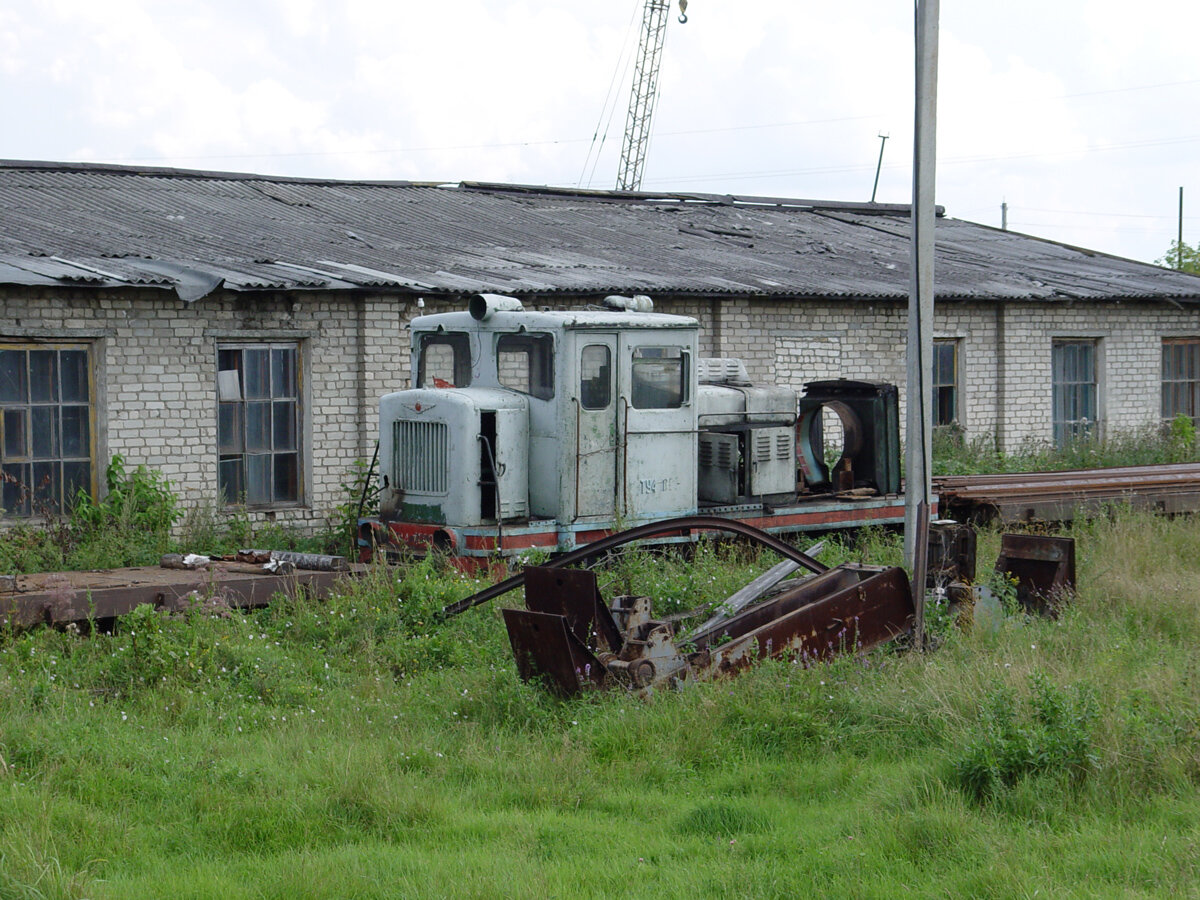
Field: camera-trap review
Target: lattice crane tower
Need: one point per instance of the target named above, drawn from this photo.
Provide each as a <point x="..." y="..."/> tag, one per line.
<point x="644" y="92"/>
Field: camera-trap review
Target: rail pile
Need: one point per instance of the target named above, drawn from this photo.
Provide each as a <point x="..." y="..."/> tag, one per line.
<point x="1060" y="496"/>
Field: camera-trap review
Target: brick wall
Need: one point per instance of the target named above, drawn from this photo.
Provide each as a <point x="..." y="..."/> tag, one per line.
<point x="154" y="360"/>
<point x="1003" y="394"/>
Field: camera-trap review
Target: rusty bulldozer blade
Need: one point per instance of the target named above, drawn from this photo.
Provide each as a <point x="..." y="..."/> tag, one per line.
<point x="571" y="640"/>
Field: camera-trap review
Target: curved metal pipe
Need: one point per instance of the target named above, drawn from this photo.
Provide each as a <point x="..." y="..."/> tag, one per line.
<point x="654" y="529"/>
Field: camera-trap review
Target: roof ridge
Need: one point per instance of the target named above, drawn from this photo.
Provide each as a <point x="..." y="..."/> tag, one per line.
<point x="197" y="174"/>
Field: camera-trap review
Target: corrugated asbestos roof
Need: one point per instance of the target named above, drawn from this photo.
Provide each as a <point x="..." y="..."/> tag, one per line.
<point x="73" y="224"/>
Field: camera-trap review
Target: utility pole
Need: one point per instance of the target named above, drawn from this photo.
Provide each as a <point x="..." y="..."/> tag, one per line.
<point x="879" y="165"/>
<point x="1004" y="216"/>
<point x="1179" y="240"/>
<point x="918" y="492"/>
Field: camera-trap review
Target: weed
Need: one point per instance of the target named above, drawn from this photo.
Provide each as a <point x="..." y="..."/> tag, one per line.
<point x="1053" y="737"/>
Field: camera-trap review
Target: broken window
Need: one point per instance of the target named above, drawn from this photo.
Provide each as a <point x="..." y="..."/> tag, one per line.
<point x="444" y="360"/>
<point x="945" y="382"/>
<point x="258" y="423"/>
<point x="46" y="444"/>
<point x="1074" y="390"/>
<point x="659" y="378"/>
<point x="525" y="363"/>
<point x="1181" y="378"/>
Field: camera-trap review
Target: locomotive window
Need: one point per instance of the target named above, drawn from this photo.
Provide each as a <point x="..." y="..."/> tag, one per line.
<point x="445" y="361"/>
<point x="595" y="377"/>
<point x="525" y="363"/>
<point x="659" y="378"/>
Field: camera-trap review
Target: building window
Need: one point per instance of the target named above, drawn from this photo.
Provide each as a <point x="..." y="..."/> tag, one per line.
<point x="258" y="423"/>
<point x="46" y="446"/>
<point x="1181" y="378"/>
<point x="945" y="382"/>
<point x="1075" y="407"/>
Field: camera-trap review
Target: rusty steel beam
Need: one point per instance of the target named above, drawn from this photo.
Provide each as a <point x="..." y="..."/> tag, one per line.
<point x="1057" y="496"/>
<point x="66" y="601"/>
<point x="682" y="525"/>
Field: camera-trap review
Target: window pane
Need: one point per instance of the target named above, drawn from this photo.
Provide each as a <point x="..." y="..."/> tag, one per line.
<point x="444" y="361"/>
<point x="14" y="495"/>
<point x="44" y="423"/>
<point x="287" y="477"/>
<point x="285" y="425"/>
<point x="229" y="475"/>
<point x="658" y="378"/>
<point x="45" y="487"/>
<point x="257" y="375"/>
<point x="12" y="377"/>
<point x="258" y="427"/>
<point x="75" y="432"/>
<point x="513" y="369"/>
<point x="43" y="376"/>
<point x="283" y="373"/>
<point x="258" y="480"/>
<point x="73" y="368"/>
<point x="16" y="437"/>
<point x="595" y="377"/>
<point x="76" y="476"/>
<point x="229" y="428"/>
<point x="525" y="362"/>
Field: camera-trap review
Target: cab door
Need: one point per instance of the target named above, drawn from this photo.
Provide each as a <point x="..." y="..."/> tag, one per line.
<point x="596" y="426"/>
<point x="657" y="417"/>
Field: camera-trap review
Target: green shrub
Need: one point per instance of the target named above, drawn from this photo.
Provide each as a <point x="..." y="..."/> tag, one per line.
<point x="1052" y="737"/>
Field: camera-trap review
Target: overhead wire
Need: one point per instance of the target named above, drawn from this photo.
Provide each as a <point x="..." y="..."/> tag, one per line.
<point x="624" y="60"/>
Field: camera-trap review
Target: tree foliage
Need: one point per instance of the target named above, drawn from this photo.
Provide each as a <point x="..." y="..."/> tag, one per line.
<point x="1183" y="256"/>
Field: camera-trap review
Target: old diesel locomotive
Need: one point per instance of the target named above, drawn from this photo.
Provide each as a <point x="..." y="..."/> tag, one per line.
<point x="534" y="429"/>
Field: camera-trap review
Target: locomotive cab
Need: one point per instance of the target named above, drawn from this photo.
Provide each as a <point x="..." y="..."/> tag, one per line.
<point x="519" y="415"/>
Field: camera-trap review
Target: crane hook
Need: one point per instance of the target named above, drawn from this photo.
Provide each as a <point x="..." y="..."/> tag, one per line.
<point x="683" y="12"/>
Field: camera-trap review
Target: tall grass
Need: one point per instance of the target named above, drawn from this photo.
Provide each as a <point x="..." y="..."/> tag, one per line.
<point x="361" y="748"/>
<point x="953" y="454"/>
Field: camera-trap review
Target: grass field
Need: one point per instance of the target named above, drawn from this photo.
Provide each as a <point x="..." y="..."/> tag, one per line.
<point x="357" y="748"/>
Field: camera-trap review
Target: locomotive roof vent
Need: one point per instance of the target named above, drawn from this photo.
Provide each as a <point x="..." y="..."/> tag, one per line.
<point x="636" y="303"/>
<point x="481" y="306"/>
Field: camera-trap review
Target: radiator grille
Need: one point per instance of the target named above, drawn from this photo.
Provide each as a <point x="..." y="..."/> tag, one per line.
<point x="422" y="456"/>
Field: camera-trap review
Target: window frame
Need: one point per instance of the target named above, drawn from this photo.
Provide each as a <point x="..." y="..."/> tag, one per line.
<point x="952" y="386"/>
<point x="29" y="507"/>
<point x="645" y="356"/>
<point x="1186" y="385"/>
<point x="459" y="343"/>
<point x="269" y="428"/>
<point x="1074" y="393"/>
<point x="538" y="346"/>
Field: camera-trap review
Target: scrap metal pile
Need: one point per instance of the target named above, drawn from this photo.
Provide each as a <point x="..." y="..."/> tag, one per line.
<point x="569" y="637"/>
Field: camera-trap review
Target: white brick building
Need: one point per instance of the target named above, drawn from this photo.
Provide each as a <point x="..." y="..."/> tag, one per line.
<point x="236" y="331"/>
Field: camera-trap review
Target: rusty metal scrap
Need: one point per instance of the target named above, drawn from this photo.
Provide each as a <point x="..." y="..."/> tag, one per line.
<point x="569" y="637"/>
<point x="679" y="526"/>
<point x="1043" y="567"/>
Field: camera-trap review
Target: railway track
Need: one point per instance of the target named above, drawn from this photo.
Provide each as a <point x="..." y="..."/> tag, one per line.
<point x="1061" y="496"/>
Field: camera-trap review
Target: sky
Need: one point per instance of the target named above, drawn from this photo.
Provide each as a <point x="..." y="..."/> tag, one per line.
<point x="1080" y="116"/>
